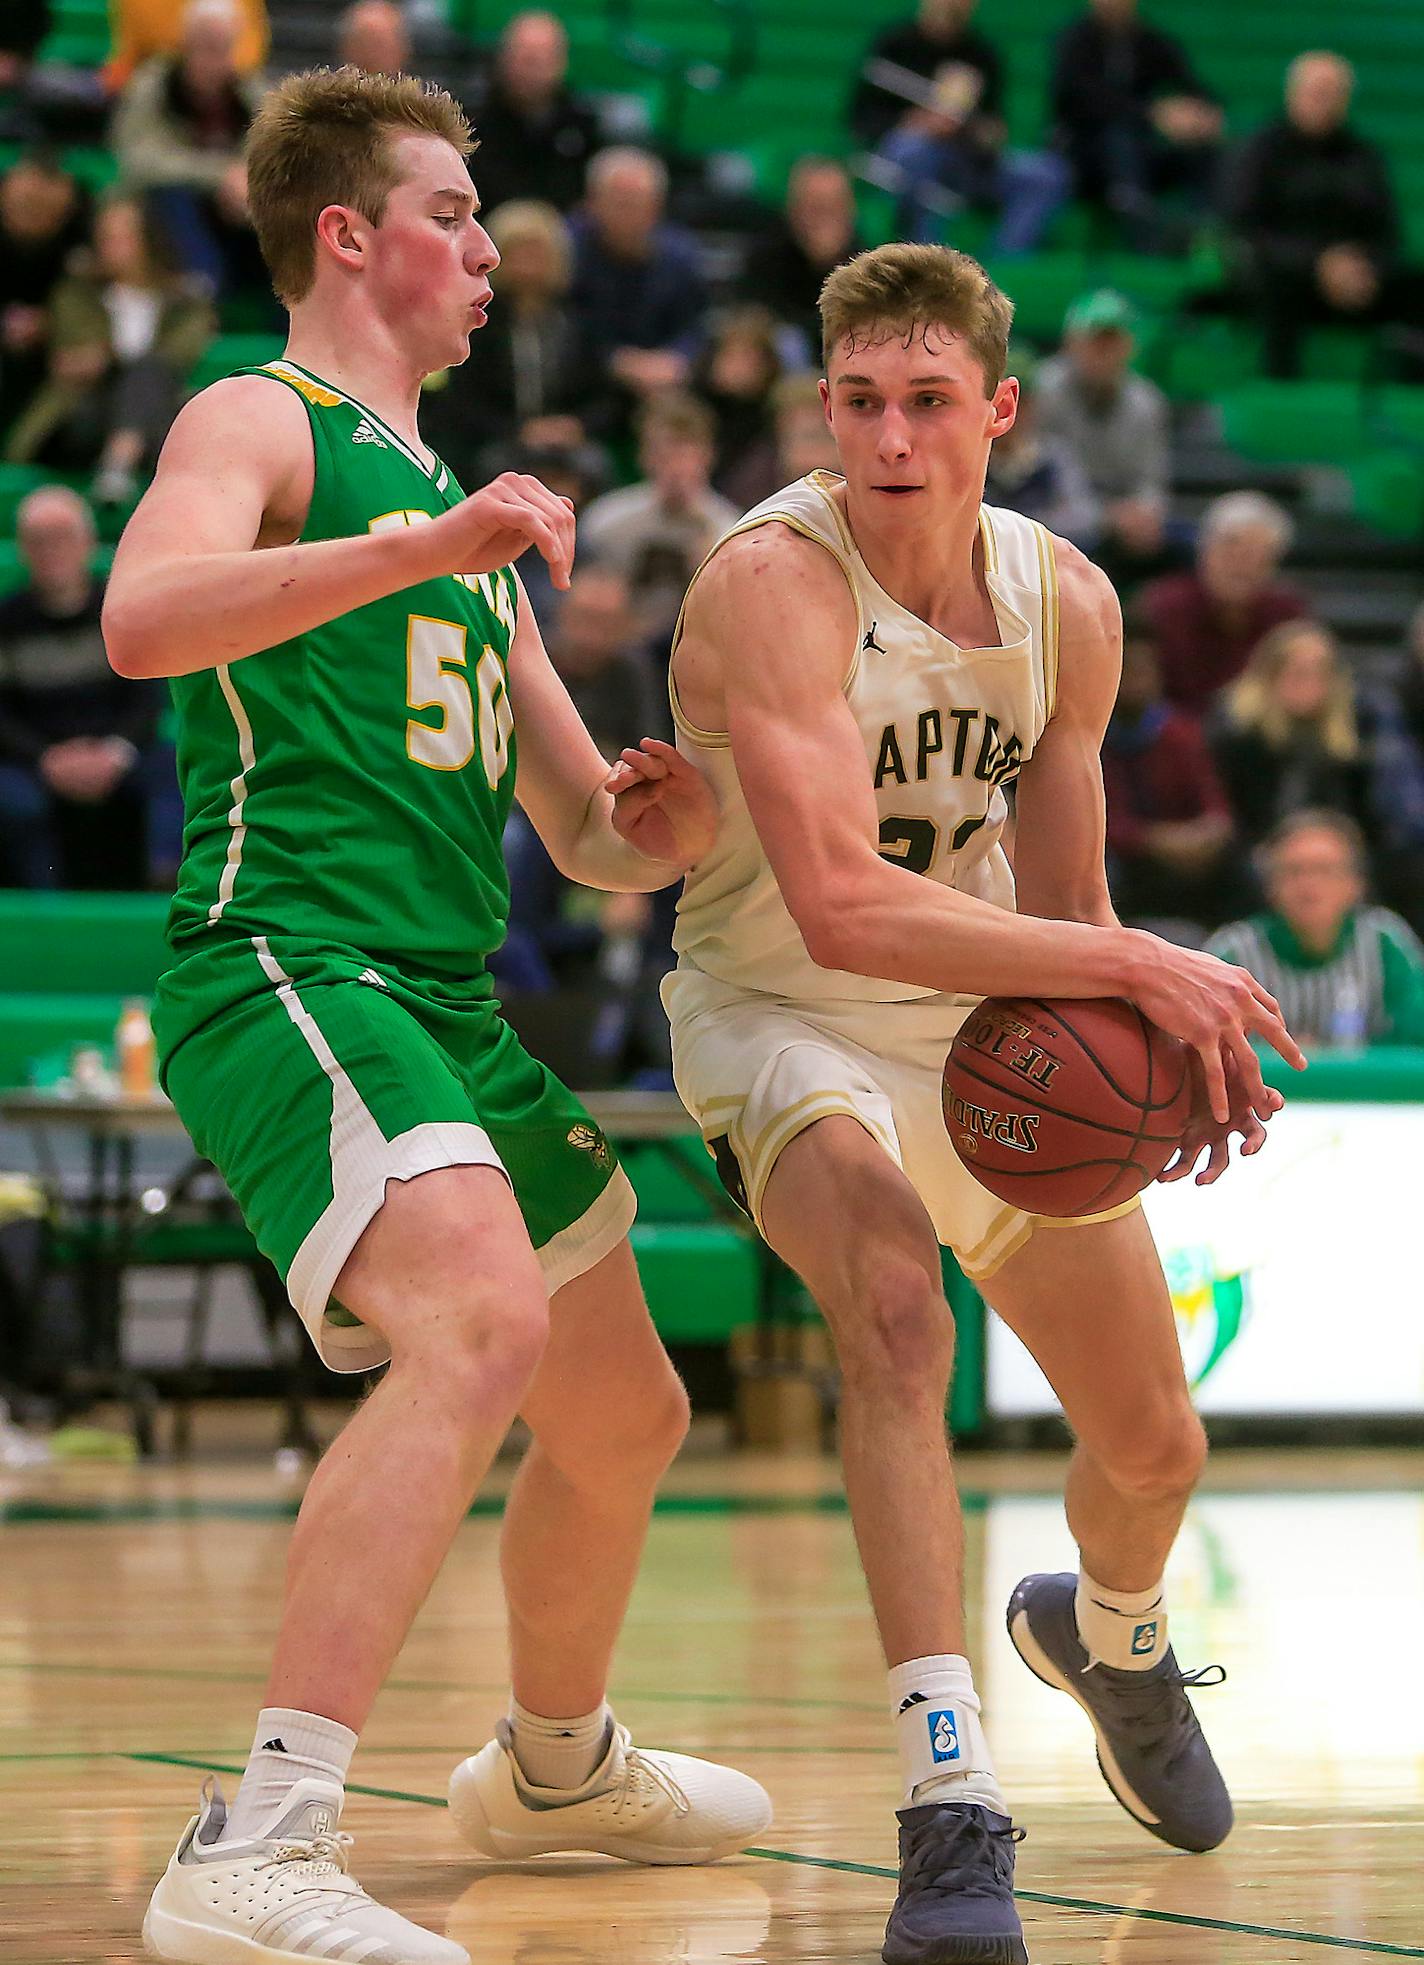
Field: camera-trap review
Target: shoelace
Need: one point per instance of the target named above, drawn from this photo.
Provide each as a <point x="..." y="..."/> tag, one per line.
<point x="639" y="1777"/>
<point x="948" y="1852"/>
<point x="1155" y="1710"/>
<point x="321" y="1851"/>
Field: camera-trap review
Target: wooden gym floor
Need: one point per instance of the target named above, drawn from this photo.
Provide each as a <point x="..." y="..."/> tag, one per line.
<point x="135" y="1613"/>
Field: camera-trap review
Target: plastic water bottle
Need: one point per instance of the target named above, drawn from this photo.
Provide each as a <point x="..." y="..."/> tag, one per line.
<point x="133" y="1045"/>
<point x="1349" y="1018"/>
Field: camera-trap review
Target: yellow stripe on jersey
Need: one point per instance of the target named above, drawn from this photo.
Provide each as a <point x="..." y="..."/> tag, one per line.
<point x="304" y="386"/>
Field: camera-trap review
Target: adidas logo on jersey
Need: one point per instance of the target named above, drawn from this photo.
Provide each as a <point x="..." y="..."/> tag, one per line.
<point x="376" y="982"/>
<point x="363" y="433"/>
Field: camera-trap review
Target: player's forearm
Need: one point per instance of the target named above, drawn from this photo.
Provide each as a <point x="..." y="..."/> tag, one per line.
<point x="598" y="856"/>
<point x="178" y="616"/>
<point x="944" y="940"/>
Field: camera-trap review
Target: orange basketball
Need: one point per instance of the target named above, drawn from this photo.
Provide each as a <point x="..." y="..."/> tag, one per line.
<point x="1065" y="1108"/>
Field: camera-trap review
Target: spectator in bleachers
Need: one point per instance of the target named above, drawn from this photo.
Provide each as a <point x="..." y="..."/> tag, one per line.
<point x="75" y="739"/>
<point x="657" y="533"/>
<point x="815" y="233"/>
<point x="798" y="442"/>
<point x="1038" y="475"/>
<point x="124" y="331"/>
<point x="1396" y="756"/>
<point x="536" y="134"/>
<point x="1207" y="620"/>
<point x="596" y="649"/>
<point x="23" y="26"/>
<point x="144" y="29"/>
<point x="1138" y="125"/>
<point x="1115" y="424"/>
<point x="556" y="928"/>
<point x="43" y="217"/>
<point x="735" y="377"/>
<point x="530" y="379"/>
<point x="929" y="102"/>
<point x="1314" y="212"/>
<point x="179" y="131"/>
<point x="1169" y="830"/>
<point x="1344" y="973"/>
<point x="1287" y="734"/>
<point x="578" y="472"/>
<point x="373" y="35"/>
<point x="638" y="287"/>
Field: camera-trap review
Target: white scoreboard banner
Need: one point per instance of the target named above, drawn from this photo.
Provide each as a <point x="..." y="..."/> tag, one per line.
<point x="1297" y="1278"/>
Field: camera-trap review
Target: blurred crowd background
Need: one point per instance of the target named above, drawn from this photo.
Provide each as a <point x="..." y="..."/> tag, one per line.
<point x="1206" y="217"/>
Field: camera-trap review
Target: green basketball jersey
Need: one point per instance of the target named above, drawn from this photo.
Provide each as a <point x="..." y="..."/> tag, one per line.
<point x="351" y="785"/>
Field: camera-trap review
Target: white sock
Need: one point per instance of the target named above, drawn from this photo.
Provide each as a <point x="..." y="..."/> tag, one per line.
<point x="287" y="1747"/>
<point x="1123" y="1628"/>
<point x="944" y="1755"/>
<point x="559" y="1753"/>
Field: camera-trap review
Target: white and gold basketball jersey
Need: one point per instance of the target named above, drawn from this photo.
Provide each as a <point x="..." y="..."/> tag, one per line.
<point x="945" y="730"/>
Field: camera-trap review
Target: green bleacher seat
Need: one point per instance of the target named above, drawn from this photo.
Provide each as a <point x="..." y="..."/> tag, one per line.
<point x="78" y="944"/>
<point x="1197" y="358"/>
<point x="700" y="1280"/>
<point x="1296" y="422"/>
<point x="1398" y="413"/>
<point x="230" y="351"/>
<point x="1388" y="492"/>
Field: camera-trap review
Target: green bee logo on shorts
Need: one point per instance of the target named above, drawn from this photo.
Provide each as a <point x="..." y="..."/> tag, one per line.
<point x="588" y="1139"/>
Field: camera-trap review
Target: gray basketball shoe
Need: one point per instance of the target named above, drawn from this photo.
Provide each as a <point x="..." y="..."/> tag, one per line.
<point x="1151" y="1749"/>
<point x="956" y="1900"/>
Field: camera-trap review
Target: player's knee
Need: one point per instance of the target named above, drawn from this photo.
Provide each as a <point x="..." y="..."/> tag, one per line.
<point x="654" y="1424"/>
<point x="895" y="1327"/>
<point x="478" y="1346"/>
<point x="630" y="1446"/>
<point x="1161" y="1458"/>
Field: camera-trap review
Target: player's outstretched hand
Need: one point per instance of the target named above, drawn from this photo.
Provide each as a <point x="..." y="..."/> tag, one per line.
<point x="662" y="804"/>
<point x="1204" y="1130"/>
<point x="494" y="525"/>
<point x="1217" y="1009"/>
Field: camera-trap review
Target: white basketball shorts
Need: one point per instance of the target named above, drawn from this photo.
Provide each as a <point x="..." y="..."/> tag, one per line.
<point x="756" y="1070"/>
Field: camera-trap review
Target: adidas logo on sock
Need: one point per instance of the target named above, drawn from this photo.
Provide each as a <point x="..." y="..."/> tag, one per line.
<point x="915" y="1699"/>
<point x="274" y="1746"/>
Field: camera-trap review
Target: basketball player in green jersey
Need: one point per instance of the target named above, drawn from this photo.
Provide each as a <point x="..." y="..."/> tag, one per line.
<point x="355" y="667"/>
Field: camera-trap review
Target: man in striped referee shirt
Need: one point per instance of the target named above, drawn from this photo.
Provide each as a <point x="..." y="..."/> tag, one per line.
<point x="1345" y="973"/>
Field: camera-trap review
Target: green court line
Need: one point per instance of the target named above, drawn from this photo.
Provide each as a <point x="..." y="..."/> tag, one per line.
<point x="631" y="1694"/>
<point x="25" y="1513"/>
<point x="725" y="1748"/>
<point x="973" y="1501"/>
<point x="230" y="1767"/>
<point x="1087" y="1905"/>
<point x="1094" y="1908"/>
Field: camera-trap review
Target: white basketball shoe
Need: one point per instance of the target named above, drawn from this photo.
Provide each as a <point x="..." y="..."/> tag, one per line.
<point x="645" y="1807"/>
<point x="282" y="1900"/>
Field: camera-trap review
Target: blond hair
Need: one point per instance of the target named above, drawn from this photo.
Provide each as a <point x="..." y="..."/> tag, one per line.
<point x="679" y="416"/>
<point x="1252" y="704"/>
<point x="903" y="289"/>
<point x="325" y="138"/>
<point x="518" y="219"/>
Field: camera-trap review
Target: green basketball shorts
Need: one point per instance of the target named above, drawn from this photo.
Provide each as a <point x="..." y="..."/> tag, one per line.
<point x="310" y="1080"/>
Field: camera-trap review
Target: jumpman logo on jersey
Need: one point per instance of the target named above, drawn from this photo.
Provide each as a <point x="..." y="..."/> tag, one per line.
<point x="870" y="641"/>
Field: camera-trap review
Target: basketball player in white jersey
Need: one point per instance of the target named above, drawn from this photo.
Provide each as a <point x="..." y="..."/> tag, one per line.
<point x="862" y="668"/>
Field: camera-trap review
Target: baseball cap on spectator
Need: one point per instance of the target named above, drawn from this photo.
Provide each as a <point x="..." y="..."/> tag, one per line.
<point x="1103" y="312"/>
